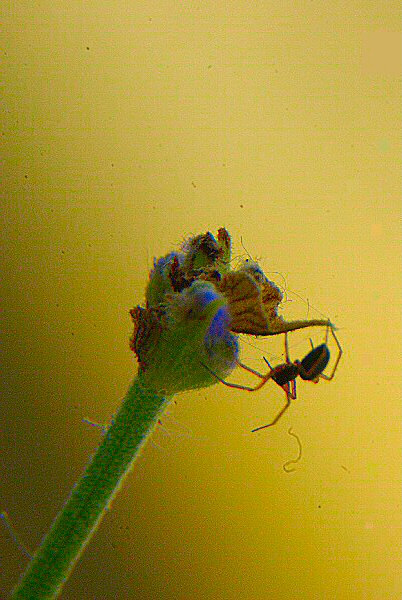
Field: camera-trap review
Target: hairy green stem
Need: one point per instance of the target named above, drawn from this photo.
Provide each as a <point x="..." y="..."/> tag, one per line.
<point x="92" y="495"/>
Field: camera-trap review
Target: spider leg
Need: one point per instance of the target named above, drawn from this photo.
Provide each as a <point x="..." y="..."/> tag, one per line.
<point x="287" y="358"/>
<point x="338" y="358"/>
<point x="250" y="370"/>
<point x="292" y="394"/>
<point x="286" y="389"/>
<point x="237" y="386"/>
<point x="278" y="416"/>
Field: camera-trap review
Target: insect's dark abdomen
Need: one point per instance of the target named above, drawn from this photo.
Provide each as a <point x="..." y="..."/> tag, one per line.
<point x="315" y="362"/>
<point x="285" y="374"/>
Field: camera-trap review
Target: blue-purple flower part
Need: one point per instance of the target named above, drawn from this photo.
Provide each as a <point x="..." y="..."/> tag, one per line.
<point x="219" y="335"/>
<point x="193" y="333"/>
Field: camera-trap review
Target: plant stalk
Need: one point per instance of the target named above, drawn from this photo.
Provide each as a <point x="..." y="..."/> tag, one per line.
<point x="92" y="495"/>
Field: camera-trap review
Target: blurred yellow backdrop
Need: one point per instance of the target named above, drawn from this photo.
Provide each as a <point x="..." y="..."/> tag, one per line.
<point x="127" y="127"/>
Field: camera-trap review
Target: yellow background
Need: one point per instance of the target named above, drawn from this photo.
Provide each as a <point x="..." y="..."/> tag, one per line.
<point x="129" y="126"/>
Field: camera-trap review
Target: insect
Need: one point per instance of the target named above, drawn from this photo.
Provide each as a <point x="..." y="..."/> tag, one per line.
<point x="310" y="368"/>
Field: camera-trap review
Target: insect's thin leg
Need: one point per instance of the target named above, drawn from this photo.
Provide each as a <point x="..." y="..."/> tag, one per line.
<point x="250" y="370"/>
<point x="286" y="348"/>
<point x="340" y="352"/>
<point x="227" y="383"/>
<point x="327" y="331"/>
<point x="266" y="378"/>
<point x="292" y="394"/>
<point x="290" y="389"/>
<point x="312" y="345"/>
<point x="278" y="416"/>
<point x="238" y="386"/>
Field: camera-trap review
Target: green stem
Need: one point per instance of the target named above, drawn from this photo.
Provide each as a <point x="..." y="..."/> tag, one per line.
<point x="92" y="495"/>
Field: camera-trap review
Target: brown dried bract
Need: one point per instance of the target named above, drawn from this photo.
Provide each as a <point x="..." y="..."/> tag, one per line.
<point x="147" y="330"/>
<point x="245" y="303"/>
<point x="177" y="276"/>
<point x="224" y="238"/>
<point x="253" y="304"/>
<point x="271" y="297"/>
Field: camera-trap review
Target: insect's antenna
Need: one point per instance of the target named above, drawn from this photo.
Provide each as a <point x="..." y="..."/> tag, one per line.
<point x="287" y="347"/>
<point x="270" y="366"/>
<point x="15" y="537"/>
<point x="298" y="458"/>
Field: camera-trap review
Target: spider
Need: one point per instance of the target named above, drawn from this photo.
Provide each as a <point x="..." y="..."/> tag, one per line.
<point x="310" y="368"/>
